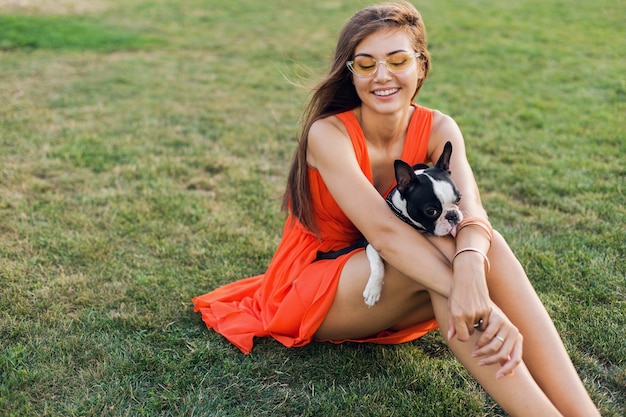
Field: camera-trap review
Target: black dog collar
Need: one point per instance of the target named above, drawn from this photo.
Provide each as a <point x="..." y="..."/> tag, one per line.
<point x="399" y="214"/>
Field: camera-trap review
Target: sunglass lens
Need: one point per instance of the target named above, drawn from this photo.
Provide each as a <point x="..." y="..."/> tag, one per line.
<point x="364" y="65"/>
<point x="399" y="61"/>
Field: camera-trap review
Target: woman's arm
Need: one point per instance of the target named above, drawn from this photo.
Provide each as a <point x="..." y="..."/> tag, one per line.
<point x="469" y="295"/>
<point x="330" y="151"/>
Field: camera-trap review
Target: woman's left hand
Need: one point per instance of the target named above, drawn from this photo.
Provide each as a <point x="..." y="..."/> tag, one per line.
<point x="500" y="342"/>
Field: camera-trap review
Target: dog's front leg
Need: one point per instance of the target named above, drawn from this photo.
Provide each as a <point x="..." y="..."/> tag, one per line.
<point x="377" y="271"/>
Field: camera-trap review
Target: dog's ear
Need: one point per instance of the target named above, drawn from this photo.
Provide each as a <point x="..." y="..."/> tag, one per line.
<point x="404" y="175"/>
<point x="444" y="160"/>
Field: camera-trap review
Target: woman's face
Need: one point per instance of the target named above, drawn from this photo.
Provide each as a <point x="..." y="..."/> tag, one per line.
<point x="387" y="91"/>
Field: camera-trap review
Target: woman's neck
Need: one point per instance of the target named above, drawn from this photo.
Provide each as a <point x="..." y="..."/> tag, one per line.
<point x="383" y="129"/>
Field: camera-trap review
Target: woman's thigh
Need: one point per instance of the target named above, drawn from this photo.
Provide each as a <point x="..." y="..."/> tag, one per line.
<point x="403" y="302"/>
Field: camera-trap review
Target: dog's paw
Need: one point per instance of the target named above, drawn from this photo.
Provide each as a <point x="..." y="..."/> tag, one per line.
<point x="371" y="295"/>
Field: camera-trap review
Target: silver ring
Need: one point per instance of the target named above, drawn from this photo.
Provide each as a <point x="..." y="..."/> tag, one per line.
<point x="478" y="324"/>
<point x="500" y="338"/>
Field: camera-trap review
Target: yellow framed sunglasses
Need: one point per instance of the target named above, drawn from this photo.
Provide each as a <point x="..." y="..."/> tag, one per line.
<point x="366" y="66"/>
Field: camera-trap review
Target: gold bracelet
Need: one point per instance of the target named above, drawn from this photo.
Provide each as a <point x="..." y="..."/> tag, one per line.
<point x="477" y="221"/>
<point x="460" y="251"/>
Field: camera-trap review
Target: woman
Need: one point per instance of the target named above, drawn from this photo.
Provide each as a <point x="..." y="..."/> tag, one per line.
<point x="360" y="119"/>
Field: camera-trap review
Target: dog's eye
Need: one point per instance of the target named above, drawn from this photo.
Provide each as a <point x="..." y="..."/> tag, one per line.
<point x="431" y="212"/>
<point x="458" y="200"/>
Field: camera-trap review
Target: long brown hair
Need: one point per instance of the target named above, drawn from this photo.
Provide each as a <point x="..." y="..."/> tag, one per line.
<point x="336" y="93"/>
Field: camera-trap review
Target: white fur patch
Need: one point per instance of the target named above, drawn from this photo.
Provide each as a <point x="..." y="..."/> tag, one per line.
<point x="445" y="193"/>
<point x="374" y="285"/>
<point x="400" y="204"/>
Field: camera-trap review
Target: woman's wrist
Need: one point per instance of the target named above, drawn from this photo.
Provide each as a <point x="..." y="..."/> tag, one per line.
<point x="474" y="255"/>
<point x="477" y="223"/>
<point x="473" y="241"/>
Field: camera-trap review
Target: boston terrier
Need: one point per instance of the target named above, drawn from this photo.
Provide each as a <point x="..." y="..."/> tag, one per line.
<point x="427" y="199"/>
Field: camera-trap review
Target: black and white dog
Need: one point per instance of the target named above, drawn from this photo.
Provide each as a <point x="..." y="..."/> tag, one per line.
<point x="424" y="197"/>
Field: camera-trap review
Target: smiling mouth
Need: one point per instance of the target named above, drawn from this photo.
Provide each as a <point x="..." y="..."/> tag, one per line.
<point x="385" y="93"/>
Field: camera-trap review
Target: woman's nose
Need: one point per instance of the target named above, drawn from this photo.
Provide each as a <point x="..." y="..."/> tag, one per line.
<point x="382" y="73"/>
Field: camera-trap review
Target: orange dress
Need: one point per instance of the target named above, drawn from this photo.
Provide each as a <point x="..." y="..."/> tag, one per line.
<point x="290" y="300"/>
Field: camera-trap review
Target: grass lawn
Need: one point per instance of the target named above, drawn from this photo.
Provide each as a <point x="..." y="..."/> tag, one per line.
<point x="144" y="147"/>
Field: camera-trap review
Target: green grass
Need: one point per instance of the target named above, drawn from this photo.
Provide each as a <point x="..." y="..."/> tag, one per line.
<point x="66" y="32"/>
<point x="143" y="151"/>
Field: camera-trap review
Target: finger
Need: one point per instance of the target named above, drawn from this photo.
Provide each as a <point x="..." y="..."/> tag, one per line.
<point x="457" y="326"/>
<point x="451" y="327"/>
<point x="491" y="332"/>
<point x="502" y="354"/>
<point x="463" y="331"/>
<point x="481" y="321"/>
<point x="490" y="347"/>
<point x="508" y="367"/>
<point x="479" y="324"/>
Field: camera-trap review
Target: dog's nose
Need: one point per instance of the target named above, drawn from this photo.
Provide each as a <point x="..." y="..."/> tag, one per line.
<point x="452" y="217"/>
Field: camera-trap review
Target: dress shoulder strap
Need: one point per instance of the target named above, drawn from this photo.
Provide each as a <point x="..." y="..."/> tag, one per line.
<point x="357" y="137"/>
<point x="416" y="146"/>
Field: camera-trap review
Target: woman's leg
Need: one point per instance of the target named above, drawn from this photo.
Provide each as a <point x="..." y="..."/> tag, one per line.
<point x="404" y="302"/>
<point x="403" y="299"/>
<point x="518" y="394"/>
<point x="350" y="318"/>
<point x="544" y="353"/>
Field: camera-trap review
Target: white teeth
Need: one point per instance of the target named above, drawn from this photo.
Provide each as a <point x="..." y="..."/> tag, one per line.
<point x="384" y="93"/>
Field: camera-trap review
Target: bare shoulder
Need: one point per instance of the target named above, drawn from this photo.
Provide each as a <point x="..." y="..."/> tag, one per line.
<point x="325" y="135"/>
<point x="444" y="124"/>
<point x="444" y="129"/>
<point x="328" y="127"/>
